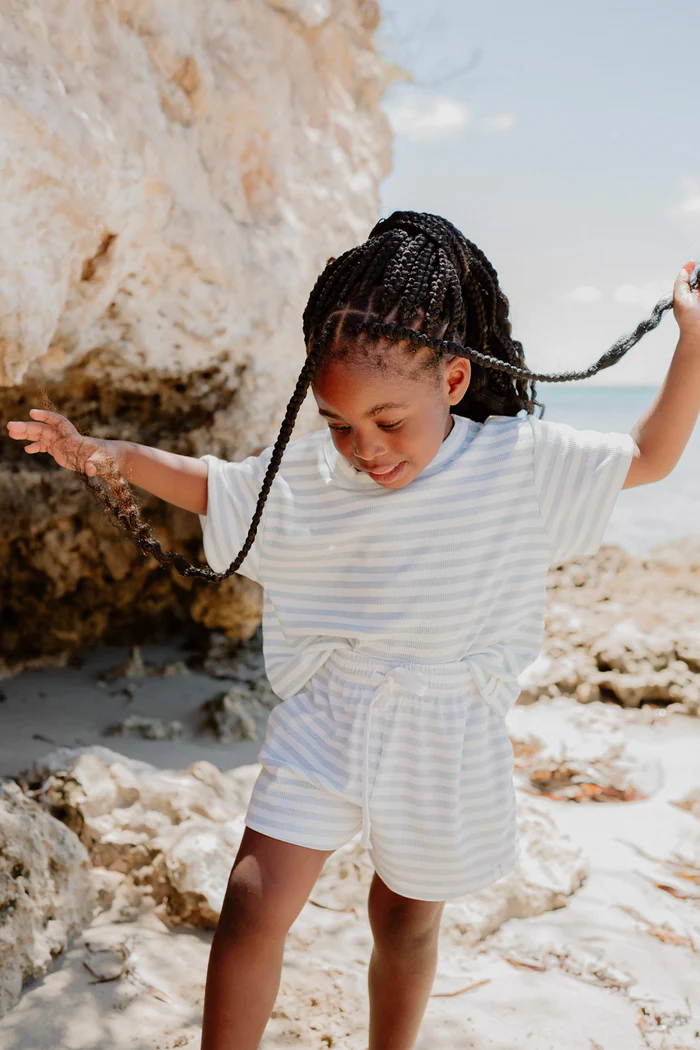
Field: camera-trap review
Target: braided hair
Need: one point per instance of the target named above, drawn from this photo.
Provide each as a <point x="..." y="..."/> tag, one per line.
<point x="416" y="281"/>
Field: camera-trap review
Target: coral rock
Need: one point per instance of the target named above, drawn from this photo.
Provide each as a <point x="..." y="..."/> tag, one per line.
<point x="173" y="832"/>
<point x="617" y="628"/>
<point x="175" y="178"/>
<point x="46" y="893"/>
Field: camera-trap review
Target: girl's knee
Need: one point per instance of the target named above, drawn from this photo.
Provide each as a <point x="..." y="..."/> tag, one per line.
<point x="247" y="912"/>
<point x="269" y="883"/>
<point x="401" y="924"/>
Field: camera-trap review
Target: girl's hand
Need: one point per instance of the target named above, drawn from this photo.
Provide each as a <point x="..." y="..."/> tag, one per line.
<point x="686" y="303"/>
<point x="53" y="433"/>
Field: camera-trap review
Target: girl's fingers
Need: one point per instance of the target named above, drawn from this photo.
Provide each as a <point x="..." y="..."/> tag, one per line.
<point x="21" y="431"/>
<point x="681" y="287"/>
<point x="54" y="418"/>
<point x="685" y="275"/>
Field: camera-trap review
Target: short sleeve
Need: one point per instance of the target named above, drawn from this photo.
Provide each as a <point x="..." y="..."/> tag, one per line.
<point x="578" y="475"/>
<point x="232" y="494"/>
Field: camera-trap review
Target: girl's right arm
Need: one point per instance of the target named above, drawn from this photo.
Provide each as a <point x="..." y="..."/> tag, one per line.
<point x="180" y="480"/>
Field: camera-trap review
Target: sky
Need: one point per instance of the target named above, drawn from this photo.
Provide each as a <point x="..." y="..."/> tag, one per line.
<point x="562" y="137"/>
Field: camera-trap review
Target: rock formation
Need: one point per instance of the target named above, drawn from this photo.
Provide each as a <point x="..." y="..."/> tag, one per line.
<point x="174" y="833"/>
<point x="623" y="627"/>
<point x="46" y="892"/>
<point x="174" y="179"/>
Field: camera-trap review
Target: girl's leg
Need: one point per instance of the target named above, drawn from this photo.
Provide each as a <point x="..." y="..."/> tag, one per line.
<point x="268" y="886"/>
<point x="402" y="965"/>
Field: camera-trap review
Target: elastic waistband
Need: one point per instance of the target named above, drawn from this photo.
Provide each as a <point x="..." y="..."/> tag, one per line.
<point x="361" y="668"/>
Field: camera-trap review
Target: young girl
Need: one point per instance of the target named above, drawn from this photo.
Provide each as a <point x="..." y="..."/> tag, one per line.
<point x="403" y="553"/>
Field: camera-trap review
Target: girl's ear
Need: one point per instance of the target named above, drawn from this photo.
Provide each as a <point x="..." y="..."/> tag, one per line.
<point x="458" y="375"/>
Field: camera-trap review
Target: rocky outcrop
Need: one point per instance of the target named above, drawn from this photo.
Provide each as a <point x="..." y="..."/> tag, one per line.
<point x="46" y="893"/>
<point x="174" y="179"/>
<point x="623" y="627"/>
<point x="174" y="834"/>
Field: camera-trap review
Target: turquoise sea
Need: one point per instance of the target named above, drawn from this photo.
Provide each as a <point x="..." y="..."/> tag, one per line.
<point x="647" y="516"/>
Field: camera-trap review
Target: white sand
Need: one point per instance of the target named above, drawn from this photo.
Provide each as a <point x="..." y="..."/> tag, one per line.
<point x="565" y="1004"/>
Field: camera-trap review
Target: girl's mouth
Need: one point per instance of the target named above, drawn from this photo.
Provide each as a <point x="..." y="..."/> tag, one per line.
<point x="386" y="476"/>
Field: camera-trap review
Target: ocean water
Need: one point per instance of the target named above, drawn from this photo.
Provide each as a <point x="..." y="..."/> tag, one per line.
<point x="649" y="515"/>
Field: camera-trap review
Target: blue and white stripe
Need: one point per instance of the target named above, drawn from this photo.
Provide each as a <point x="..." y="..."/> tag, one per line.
<point x="448" y="572"/>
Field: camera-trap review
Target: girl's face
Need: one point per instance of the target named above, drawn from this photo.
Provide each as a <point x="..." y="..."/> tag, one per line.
<point x="389" y="425"/>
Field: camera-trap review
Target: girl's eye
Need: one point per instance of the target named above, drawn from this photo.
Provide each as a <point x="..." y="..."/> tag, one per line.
<point x="382" y="426"/>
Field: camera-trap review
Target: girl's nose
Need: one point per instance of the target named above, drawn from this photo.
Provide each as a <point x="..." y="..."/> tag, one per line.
<point x="368" y="448"/>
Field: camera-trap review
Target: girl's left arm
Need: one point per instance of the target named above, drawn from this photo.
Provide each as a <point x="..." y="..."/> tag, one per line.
<point x="663" y="431"/>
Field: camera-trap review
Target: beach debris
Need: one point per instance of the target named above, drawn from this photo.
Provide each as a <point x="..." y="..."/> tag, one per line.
<point x="662" y="931"/>
<point x="682" y="863"/>
<point x="228" y="715"/>
<point x="541" y="966"/>
<point x="127" y="691"/>
<point x="524" y="749"/>
<point x="460" y="991"/>
<point x="684" y="859"/>
<point x="134" y="978"/>
<point x="675" y="892"/>
<point x="146" y="728"/>
<point x="173" y="669"/>
<point x="591" y="967"/>
<point x="107" y="964"/>
<point x="111" y="963"/>
<point x="653" y="1021"/>
<point x="45" y="739"/>
<point x="571" y="782"/>
<point x="330" y="907"/>
<point x="586" y="758"/>
<point x="135" y="667"/>
<point x="242" y="661"/>
<point x="690" y="802"/>
<point x="132" y="667"/>
<point x="244" y="665"/>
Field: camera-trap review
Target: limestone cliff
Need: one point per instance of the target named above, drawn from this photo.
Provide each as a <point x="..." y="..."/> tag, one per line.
<point x="175" y="175"/>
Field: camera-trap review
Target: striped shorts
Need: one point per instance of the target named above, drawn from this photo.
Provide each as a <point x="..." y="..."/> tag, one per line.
<point x="411" y="756"/>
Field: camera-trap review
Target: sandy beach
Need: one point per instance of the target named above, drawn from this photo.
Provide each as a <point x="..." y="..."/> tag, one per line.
<point x="593" y="944"/>
<point x="188" y="188"/>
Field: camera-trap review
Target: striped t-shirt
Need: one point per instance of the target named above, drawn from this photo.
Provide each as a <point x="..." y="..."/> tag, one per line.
<point x="453" y="564"/>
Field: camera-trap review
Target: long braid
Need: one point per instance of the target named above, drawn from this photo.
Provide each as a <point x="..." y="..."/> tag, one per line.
<point x="123" y="511"/>
<point x="416" y="280"/>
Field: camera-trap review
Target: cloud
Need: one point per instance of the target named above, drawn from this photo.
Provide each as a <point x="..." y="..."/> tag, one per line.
<point x="691" y="205"/>
<point x="497" y="123"/>
<point x="645" y="296"/>
<point x="585" y="293"/>
<point x="420" y="117"/>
